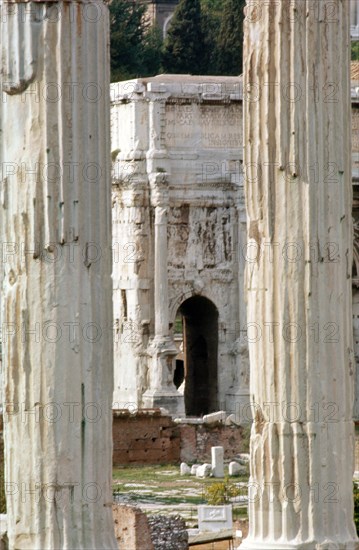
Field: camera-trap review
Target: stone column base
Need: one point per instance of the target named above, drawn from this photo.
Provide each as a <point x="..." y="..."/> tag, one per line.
<point x="172" y="401"/>
<point x="162" y="391"/>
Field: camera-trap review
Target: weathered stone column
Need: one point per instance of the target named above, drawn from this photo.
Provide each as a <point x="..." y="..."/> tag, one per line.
<point x="132" y="265"/>
<point x="298" y="192"/>
<point x="56" y="271"/>
<point x="163" y="350"/>
<point x="161" y="272"/>
<point x="162" y="391"/>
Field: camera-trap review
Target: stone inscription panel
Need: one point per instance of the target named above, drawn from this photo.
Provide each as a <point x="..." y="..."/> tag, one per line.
<point x="221" y="126"/>
<point x="180" y="125"/>
<point x="203" y="126"/>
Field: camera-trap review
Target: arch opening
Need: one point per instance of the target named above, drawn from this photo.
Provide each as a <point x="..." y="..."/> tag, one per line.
<point x="197" y="318"/>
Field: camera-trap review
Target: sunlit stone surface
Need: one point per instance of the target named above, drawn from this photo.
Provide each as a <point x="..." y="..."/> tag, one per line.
<point x="57" y="290"/>
<point x="298" y="192"/>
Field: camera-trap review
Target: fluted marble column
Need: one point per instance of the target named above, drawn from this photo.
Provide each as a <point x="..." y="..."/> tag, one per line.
<point x="162" y="349"/>
<point x="161" y="272"/>
<point x="298" y="193"/>
<point x="162" y="391"/>
<point x="56" y="271"/>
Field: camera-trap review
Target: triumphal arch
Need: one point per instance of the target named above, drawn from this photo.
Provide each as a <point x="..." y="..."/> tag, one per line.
<point x="178" y="234"/>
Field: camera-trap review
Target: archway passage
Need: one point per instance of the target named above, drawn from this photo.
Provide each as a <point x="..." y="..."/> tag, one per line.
<point x="179" y="373"/>
<point x="200" y="347"/>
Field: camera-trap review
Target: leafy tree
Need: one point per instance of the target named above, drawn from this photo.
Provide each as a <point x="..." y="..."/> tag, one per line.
<point x="214" y="6"/>
<point x="127" y="33"/>
<point x="184" y="48"/>
<point x="211" y="22"/>
<point x="135" y="45"/>
<point x="152" y="51"/>
<point x="230" y="38"/>
<point x="355" y="50"/>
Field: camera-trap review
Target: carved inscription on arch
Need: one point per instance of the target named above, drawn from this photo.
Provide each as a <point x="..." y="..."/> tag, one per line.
<point x="203" y="126"/>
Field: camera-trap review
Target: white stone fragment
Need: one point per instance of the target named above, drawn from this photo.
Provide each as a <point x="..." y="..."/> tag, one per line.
<point x="234" y="469"/>
<point x="205" y="470"/>
<point x="184" y="420"/>
<point x="211" y="418"/>
<point x="185" y="470"/>
<point x="243" y="458"/>
<point x="194" y="469"/>
<point x="217" y="454"/>
<point x="232" y="420"/>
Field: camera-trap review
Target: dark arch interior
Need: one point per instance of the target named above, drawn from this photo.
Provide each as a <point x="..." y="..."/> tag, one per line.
<point x="200" y="346"/>
<point x="179" y="373"/>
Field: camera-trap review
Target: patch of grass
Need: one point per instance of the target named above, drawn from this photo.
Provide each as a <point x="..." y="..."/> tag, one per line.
<point x="138" y="474"/>
<point x="161" y="489"/>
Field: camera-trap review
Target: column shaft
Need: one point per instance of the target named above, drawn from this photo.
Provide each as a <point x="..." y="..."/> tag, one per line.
<point x="161" y="273"/>
<point x="57" y="290"/>
<point x="297" y="137"/>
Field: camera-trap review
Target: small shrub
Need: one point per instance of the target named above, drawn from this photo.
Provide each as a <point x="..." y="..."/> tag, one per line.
<point x="221" y="492"/>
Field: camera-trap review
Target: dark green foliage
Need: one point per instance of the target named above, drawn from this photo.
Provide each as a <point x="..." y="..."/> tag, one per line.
<point x="211" y="21"/>
<point x="204" y="37"/>
<point x="152" y="51"/>
<point x="355" y="50"/>
<point x="230" y="38"/>
<point x="135" y="46"/>
<point x="184" y="49"/>
<point x="127" y="32"/>
<point x="214" y="6"/>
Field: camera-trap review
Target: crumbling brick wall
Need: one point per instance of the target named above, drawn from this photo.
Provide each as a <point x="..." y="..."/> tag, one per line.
<point x="147" y="437"/>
